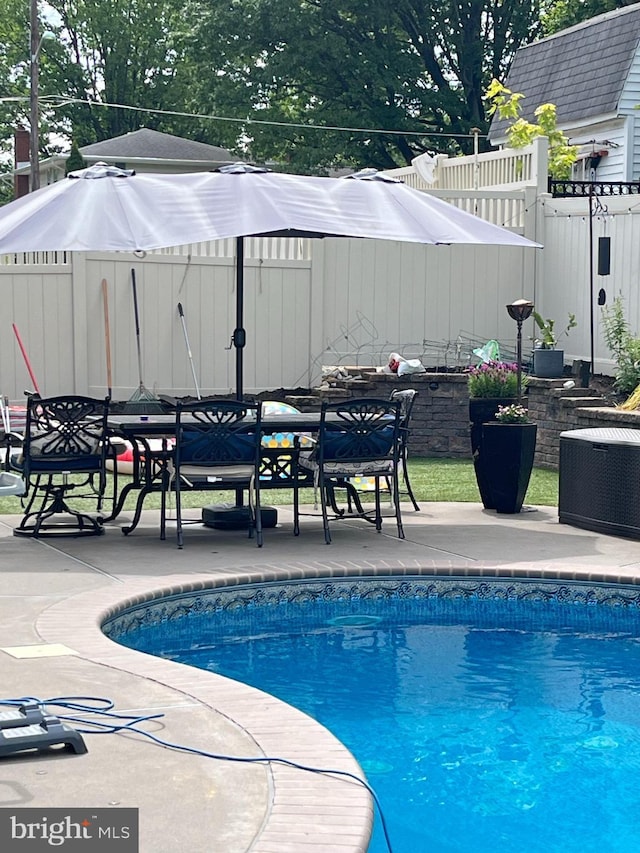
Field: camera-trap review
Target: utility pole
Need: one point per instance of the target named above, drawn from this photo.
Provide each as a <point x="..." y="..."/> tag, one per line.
<point x="34" y="50"/>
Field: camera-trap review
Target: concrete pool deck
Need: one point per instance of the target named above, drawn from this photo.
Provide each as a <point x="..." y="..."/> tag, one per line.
<point x="54" y="593"/>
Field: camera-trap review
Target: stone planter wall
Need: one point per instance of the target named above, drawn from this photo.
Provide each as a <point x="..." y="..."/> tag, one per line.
<point x="556" y="409"/>
<point x="440" y="420"/>
<point x="440" y="423"/>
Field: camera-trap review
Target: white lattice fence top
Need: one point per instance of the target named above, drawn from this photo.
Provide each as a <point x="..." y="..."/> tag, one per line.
<point x="25" y="259"/>
<point x="266" y="248"/>
<point x="506" y="168"/>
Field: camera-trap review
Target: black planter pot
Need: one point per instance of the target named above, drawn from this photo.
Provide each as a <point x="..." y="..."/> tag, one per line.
<point x="548" y="363"/>
<point x="508" y="451"/>
<point x="481" y="410"/>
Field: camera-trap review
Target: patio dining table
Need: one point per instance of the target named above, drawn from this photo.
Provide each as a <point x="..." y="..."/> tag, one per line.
<point x="150" y="463"/>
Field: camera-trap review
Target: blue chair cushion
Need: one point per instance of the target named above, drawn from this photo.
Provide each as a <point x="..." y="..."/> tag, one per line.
<point x="201" y="449"/>
<point x="346" y="445"/>
<point x="52" y="463"/>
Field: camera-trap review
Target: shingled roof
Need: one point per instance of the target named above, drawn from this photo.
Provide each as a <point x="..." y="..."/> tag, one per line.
<point x="582" y="70"/>
<point x="148" y="144"/>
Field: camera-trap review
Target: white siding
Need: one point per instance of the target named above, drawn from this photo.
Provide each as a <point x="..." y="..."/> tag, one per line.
<point x="611" y="137"/>
<point x="630" y="96"/>
<point x="629" y="102"/>
<point x="635" y="136"/>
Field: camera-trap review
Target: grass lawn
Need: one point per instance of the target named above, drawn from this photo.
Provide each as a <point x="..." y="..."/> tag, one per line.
<point x="454" y="480"/>
<point x="431" y="479"/>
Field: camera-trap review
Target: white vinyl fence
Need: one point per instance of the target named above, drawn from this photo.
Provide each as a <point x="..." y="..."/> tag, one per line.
<point x="507" y="168"/>
<point x="351" y="302"/>
<point x="568" y="280"/>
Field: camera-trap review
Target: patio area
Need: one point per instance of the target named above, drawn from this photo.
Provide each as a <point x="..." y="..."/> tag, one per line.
<point x="54" y="594"/>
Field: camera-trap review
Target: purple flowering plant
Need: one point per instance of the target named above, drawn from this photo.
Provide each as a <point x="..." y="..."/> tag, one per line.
<point x="494" y="379"/>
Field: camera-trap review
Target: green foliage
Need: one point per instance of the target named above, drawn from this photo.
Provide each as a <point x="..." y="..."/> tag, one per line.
<point x="14" y="81"/>
<point x="521" y="133"/>
<point x="559" y="14"/>
<point x="493" y="379"/>
<point x="417" y="70"/>
<point x="549" y="338"/>
<point x="6" y="188"/>
<point x="124" y="53"/>
<point x="414" y="68"/>
<point x="623" y="345"/>
<point x="74" y="161"/>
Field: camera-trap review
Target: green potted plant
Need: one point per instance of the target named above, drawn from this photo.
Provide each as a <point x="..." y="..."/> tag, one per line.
<point x="493" y="380"/>
<point x="548" y="360"/>
<point x="513" y="414"/>
<point x="490" y="385"/>
<point x="508" y="448"/>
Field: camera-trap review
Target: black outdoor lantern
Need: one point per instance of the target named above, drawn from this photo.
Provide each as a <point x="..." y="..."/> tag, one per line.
<point x="520" y="310"/>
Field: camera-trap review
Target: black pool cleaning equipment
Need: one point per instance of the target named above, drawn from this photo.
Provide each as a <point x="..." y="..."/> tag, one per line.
<point x="28" y="727"/>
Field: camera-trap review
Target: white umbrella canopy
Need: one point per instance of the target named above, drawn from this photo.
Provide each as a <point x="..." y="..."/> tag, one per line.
<point x="106" y="209"/>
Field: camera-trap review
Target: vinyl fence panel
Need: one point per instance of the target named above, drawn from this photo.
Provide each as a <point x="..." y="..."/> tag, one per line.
<point x="353" y="302"/>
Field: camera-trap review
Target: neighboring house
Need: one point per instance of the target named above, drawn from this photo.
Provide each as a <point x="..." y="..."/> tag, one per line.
<point x="591" y="72"/>
<point x="143" y="150"/>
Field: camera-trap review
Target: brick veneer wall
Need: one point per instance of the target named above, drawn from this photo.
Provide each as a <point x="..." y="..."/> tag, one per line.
<point x="440" y="423"/>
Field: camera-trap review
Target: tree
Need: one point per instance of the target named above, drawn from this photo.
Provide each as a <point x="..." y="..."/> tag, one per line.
<point x="14" y="80"/>
<point x="559" y="14"/>
<point x="413" y="68"/>
<point x="125" y="53"/>
<point x="416" y="69"/>
<point x="506" y="103"/>
<point x="74" y="160"/>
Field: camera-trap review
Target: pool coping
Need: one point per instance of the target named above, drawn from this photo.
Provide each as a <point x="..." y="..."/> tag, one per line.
<point x="307" y="811"/>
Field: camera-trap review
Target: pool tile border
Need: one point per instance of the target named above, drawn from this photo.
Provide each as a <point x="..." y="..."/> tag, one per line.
<point x="307" y="810"/>
<point x="242" y="598"/>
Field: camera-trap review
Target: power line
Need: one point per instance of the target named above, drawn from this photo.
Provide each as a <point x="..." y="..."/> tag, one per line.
<point x="54" y="101"/>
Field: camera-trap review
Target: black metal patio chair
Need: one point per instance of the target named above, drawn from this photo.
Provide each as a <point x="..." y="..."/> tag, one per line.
<point x="218" y="447"/>
<point x="63" y="457"/>
<point x="357" y="438"/>
<point x="407" y="398"/>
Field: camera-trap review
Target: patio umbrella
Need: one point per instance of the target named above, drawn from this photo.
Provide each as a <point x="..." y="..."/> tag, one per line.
<point x="104" y="208"/>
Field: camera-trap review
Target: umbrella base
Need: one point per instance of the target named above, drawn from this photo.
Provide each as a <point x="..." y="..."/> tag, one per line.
<point x="228" y="516"/>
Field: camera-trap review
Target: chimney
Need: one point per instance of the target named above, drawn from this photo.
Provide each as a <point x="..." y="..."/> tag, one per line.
<point x="21" y="158"/>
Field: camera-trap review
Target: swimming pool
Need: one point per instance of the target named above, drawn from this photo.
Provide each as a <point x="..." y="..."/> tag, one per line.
<point x="493" y="715"/>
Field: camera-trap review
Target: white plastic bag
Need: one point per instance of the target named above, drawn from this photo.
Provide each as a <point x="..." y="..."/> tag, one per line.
<point x="412" y="365"/>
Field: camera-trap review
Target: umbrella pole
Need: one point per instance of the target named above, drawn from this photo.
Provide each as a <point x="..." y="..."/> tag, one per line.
<point x="239" y="334"/>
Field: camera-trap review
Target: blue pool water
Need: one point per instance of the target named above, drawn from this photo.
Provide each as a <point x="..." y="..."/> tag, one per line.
<point x="486" y="716"/>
